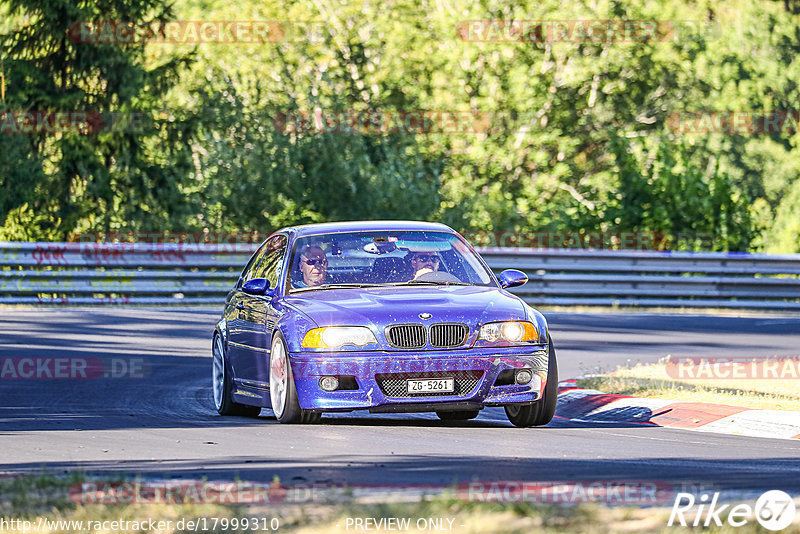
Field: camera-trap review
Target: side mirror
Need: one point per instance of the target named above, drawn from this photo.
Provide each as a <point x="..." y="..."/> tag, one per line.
<point x="258" y="286"/>
<point x="512" y="278"/>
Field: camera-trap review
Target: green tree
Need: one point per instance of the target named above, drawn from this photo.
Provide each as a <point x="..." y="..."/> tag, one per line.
<point x="256" y="175"/>
<point x="665" y="191"/>
<point x="115" y="179"/>
<point x="580" y="137"/>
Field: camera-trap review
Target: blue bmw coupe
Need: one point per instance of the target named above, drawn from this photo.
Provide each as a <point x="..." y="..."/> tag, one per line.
<point x="392" y="316"/>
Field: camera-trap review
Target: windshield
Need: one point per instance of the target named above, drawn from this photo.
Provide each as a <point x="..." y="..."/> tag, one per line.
<point x="362" y="259"/>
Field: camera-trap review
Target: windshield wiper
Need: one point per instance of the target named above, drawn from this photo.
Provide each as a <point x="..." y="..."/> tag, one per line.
<point x="330" y="286"/>
<point x="431" y="283"/>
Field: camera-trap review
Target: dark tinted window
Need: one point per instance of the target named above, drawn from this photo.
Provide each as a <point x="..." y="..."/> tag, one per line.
<point x="272" y="262"/>
<point x="390" y="257"/>
<point x="250" y="268"/>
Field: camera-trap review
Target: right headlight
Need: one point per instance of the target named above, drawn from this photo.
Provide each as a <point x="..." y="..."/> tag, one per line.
<point x="333" y="337"/>
<point x="506" y="332"/>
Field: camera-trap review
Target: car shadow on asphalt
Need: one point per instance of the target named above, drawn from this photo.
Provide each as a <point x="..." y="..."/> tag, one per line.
<point x="488" y="418"/>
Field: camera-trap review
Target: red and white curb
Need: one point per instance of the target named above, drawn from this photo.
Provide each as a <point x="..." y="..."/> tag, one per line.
<point x="591" y="406"/>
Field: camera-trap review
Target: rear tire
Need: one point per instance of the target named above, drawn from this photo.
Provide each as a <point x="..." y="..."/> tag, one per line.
<point x="461" y="415"/>
<point x="282" y="391"/>
<point x="222" y="384"/>
<point x="542" y="411"/>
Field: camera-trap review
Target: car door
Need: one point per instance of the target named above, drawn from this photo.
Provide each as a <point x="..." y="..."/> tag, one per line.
<point x="237" y="317"/>
<point x="257" y="317"/>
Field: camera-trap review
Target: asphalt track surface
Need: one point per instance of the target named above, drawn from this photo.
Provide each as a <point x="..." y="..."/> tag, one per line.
<point x="164" y="425"/>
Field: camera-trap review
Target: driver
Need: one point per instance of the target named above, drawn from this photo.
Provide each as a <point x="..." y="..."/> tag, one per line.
<point x="424" y="263"/>
<point x="314" y="266"/>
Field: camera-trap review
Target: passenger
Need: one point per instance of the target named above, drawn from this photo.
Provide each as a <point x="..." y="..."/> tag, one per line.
<point x="314" y="266"/>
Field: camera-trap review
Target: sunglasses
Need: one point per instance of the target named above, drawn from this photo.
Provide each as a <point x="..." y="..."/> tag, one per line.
<point x="427" y="257"/>
<point x="318" y="263"/>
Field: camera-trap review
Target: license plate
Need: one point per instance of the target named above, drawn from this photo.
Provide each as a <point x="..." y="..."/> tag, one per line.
<point x="431" y="385"/>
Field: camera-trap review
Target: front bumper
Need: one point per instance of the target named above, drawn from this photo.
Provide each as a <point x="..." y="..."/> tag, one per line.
<point x="475" y="371"/>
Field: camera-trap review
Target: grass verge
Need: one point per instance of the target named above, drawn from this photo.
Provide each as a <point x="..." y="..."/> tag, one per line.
<point x="653" y="382"/>
<point x="34" y="498"/>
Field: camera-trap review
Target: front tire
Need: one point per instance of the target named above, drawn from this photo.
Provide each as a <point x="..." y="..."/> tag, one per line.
<point x="222" y="384"/>
<point x="282" y="391"/>
<point x="542" y="411"/>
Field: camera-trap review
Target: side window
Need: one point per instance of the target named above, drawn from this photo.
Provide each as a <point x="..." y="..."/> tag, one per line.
<point x="272" y="263"/>
<point x="250" y="270"/>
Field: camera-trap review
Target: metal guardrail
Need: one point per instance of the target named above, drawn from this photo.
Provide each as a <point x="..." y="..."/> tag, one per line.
<point x="654" y="278"/>
<point x="185" y="273"/>
<point x="119" y="273"/>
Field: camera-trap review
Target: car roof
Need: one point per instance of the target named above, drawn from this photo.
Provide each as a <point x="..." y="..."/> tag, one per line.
<point x="361" y="226"/>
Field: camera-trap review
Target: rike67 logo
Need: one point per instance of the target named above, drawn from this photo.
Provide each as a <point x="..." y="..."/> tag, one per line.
<point x="774" y="510"/>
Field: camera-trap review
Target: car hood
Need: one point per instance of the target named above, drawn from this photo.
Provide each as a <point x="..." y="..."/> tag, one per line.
<point x="383" y="306"/>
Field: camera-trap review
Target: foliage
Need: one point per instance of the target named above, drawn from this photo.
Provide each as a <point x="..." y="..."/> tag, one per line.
<point x="255" y="175"/>
<point x="103" y="180"/>
<point x="579" y="134"/>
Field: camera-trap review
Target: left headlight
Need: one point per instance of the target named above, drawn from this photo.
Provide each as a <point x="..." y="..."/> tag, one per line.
<point x="509" y="332"/>
<point x="332" y="337"/>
